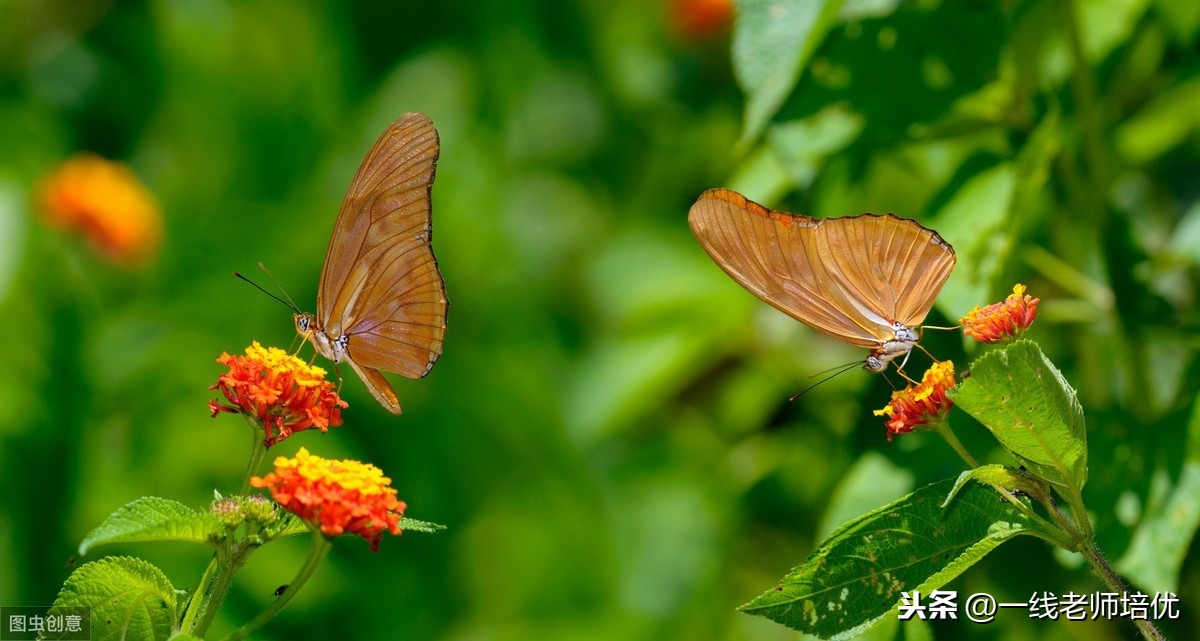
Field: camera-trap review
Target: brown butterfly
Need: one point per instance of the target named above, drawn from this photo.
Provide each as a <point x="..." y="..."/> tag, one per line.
<point x="866" y="280"/>
<point x="381" y="302"/>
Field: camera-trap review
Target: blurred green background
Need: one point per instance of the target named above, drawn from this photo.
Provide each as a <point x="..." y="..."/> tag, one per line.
<point x="608" y="434"/>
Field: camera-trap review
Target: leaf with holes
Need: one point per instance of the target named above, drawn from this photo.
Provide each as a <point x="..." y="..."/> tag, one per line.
<point x="857" y="575"/>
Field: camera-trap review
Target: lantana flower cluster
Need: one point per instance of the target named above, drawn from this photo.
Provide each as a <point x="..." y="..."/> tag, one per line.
<point x="925" y="403"/>
<point x="920" y="404"/>
<point x="339" y="497"/>
<point x="279" y="391"/>
<point x="1004" y="320"/>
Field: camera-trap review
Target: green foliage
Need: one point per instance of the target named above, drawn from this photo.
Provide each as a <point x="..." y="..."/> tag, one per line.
<point x="1018" y="394"/>
<point x="857" y="574"/>
<point x="599" y="369"/>
<point x="773" y="42"/>
<point x="154" y="519"/>
<point x="128" y="599"/>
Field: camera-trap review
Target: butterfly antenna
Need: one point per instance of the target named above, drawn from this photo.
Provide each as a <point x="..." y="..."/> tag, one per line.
<point x="288" y="302"/>
<point x="278" y="286"/>
<point x="836" y="369"/>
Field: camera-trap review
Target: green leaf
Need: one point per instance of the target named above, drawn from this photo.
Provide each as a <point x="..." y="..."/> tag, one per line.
<point x="855" y="578"/>
<point x="803" y="145"/>
<point x="1018" y="394"/>
<point x="288" y="525"/>
<point x="772" y="42"/>
<point x="975" y="222"/>
<point x="1170" y="119"/>
<point x="154" y="519"/>
<point x="999" y="477"/>
<point x="1162" y="540"/>
<point x="413" y="525"/>
<point x="129" y="599"/>
<point x="872" y="480"/>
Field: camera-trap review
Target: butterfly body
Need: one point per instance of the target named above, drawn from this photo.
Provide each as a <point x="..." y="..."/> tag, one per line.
<point x="381" y="302"/>
<point x="867" y="280"/>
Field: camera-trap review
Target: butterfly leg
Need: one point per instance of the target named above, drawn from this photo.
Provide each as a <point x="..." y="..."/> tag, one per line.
<point x="900" y="367"/>
<point x="338" y="374"/>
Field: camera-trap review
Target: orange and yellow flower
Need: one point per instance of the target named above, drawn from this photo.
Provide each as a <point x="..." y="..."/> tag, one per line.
<point x="920" y="404"/>
<point x="107" y="202"/>
<point x="279" y="391"/>
<point x="1000" y="321"/>
<point x="339" y="497"/>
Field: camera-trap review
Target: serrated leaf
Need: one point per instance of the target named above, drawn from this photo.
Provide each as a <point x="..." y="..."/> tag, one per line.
<point x="855" y="578"/>
<point x="129" y="599"/>
<point x="288" y="525"/>
<point x="1018" y="394"/>
<point x="772" y="42"/>
<point x="154" y="519"/>
<point x="413" y="525"/>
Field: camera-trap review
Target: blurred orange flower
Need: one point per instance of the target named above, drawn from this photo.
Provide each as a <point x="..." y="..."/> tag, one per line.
<point x="920" y="404"/>
<point x="1000" y="321"/>
<point x="339" y="497"/>
<point x="107" y="202"/>
<point x="279" y="391"/>
<point x="701" y="19"/>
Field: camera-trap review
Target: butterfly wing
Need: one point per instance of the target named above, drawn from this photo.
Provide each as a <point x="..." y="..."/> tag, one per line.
<point x="846" y="277"/>
<point x="381" y="286"/>
<point x="894" y="265"/>
<point x="378" y="386"/>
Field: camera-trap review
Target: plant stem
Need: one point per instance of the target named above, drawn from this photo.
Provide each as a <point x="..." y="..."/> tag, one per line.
<point x="219" y="579"/>
<point x="258" y="451"/>
<point x="197" y="604"/>
<point x="320" y="548"/>
<point x="943" y="427"/>
<point x="1110" y="578"/>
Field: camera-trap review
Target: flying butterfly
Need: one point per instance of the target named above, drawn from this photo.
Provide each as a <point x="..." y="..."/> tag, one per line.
<point x="381" y="302"/>
<point x="866" y="280"/>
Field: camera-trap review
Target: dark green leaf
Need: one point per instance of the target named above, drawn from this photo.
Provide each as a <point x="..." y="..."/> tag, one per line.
<point x="856" y="576"/>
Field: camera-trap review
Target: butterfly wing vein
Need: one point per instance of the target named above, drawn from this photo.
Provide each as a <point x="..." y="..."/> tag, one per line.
<point x="849" y="277"/>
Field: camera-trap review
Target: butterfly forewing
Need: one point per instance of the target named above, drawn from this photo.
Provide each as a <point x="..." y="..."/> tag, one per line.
<point x="381" y="286"/>
<point x="848" y="277"/>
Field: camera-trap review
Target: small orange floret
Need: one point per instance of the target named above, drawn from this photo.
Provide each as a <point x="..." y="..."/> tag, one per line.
<point x="339" y="497"/>
<point x="281" y="392"/>
<point x="107" y="202"/>
<point x="920" y="404"/>
<point x="1004" y="320"/>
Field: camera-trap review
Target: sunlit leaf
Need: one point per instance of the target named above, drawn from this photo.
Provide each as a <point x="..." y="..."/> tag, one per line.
<point x="975" y="223"/>
<point x="772" y="42"/>
<point x="129" y="599"/>
<point x="154" y="519"/>
<point x="1022" y="398"/>
<point x="857" y="574"/>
